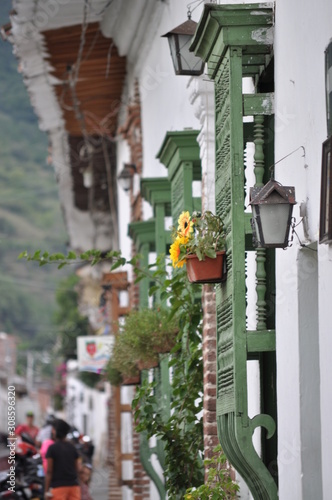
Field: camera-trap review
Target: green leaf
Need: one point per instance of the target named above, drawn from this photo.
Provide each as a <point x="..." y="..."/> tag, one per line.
<point x="36" y="255"/>
<point x="60" y="256"/>
<point x="116" y="265"/>
<point x="209" y="252"/>
<point x="152" y="290"/>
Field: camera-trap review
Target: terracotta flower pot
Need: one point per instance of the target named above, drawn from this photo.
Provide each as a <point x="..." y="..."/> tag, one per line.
<point x="208" y="270"/>
<point x="168" y="342"/>
<point x="148" y="364"/>
<point x="134" y="380"/>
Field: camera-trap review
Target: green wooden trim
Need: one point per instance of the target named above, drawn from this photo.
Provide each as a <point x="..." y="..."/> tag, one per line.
<point x="237" y="439"/>
<point x="145" y="456"/>
<point x="143" y="235"/>
<point x="181" y="190"/>
<point x="160" y="237"/>
<point x="248" y="232"/>
<point x="197" y="204"/>
<point x="142" y="232"/>
<point x="236" y="40"/>
<point x="249" y="26"/>
<point x="258" y="104"/>
<point x="144" y="284"/>
<point x="179" y="147"/>
<point x="157" y="190"/>
<point x="262" y="341"/>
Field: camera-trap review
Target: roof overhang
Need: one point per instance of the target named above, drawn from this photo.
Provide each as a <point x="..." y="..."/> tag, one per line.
<point x="74" y="77"/>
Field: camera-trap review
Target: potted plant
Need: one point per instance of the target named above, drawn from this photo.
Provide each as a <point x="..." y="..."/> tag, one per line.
<point x="199" y="242"/>
<point x="116" y="377"/>
<point x="149" y="332"/>
<point x="122" y="368"/>
<point x="145" y="334"/>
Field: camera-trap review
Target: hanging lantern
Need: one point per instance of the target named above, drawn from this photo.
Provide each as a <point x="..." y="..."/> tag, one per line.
<point x="125" y="177"/>
<point x="272" y="207"/>
<point x="88" y="176"/>
<point x="179" y="39"/>
<point x="328" y="87"/>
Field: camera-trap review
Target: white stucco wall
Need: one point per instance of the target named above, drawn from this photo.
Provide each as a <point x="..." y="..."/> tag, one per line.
<point x="91" y="404"/>
<point x="164" y="99"/>
<point x="165" y="106"/>
<point x="302" y="32"/>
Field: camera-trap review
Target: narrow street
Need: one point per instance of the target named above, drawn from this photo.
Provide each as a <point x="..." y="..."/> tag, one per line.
<point x="99" y="484"/>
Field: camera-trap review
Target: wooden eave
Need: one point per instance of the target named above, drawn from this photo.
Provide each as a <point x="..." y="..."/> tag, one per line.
<point x="100" y="81"/>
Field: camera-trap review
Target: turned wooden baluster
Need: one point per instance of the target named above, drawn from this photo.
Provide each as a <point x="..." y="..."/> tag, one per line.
<point x="260" y="252"/>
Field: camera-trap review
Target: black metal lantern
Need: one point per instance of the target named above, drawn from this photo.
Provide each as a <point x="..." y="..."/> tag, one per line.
<point x="179" y="39"/>
<point x="272" y="207"/>
<point x="125" y="177"/>
<point x="328" y="87"/>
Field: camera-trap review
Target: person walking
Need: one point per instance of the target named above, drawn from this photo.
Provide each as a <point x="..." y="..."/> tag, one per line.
<point x="63" y="465"/>
<point x="45" y="432"/>
<point x="28" y="428"/>
<point x="85" y="478"/>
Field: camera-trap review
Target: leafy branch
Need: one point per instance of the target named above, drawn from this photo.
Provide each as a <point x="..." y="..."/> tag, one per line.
<point x="182" y="431"/>
<point x="219" y="483"/>
<point x="91" y="257"/>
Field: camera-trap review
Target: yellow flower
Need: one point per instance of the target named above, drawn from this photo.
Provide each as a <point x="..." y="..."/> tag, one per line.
<point x="185" y="224"/>
<point x="175" y="251"/>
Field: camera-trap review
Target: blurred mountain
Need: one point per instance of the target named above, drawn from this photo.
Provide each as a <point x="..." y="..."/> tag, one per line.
<point x="30" y="215"/>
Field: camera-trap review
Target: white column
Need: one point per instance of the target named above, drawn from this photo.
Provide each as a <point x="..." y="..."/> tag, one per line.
<point x="201" y="96"/>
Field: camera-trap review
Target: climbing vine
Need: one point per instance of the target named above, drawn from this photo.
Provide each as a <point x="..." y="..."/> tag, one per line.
<point x="182" y="432"/>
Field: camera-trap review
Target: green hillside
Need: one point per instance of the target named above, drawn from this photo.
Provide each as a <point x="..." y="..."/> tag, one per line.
<point x="30" y="215"/>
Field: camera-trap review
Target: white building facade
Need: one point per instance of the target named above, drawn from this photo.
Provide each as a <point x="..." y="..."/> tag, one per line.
<point x="168" y="103"/>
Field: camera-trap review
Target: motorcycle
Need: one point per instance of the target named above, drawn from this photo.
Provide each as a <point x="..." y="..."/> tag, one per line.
<point x="25" y="481"/>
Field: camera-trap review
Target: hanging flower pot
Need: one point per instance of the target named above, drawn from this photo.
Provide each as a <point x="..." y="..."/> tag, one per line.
<point x="134" y="380"/>
<point x="147" y="364"/>
<point x="199" y="242"/>
<point x="207" y="270"/>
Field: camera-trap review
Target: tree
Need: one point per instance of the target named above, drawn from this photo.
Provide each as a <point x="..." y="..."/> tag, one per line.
<point x="68" y="318"/>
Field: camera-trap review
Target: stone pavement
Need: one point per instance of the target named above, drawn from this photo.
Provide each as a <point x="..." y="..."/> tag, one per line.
<point x="99" y="483"/>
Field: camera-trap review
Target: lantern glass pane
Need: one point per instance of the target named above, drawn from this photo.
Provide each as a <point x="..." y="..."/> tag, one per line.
<point x="174" y="54"/>
<point x="189" y="62"/>
<point x="274" y="220"/>
<point x="328" y="70"/>
<point x="256" y="234"/>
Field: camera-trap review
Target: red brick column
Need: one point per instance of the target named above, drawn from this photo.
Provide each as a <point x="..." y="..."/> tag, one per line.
<point x="202" y="98"/>
<point x="115" y="490"/>
<point x="141" y="482"/>
<point x="209" y="370"/>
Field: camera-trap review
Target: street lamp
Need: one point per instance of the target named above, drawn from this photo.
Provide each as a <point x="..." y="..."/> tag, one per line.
<point x="272" y="207"/>
<point x="328" y="87"/>
<point x="88" y="176"/>
<point x="179" y="39"/>
<point x="125" y="177"/>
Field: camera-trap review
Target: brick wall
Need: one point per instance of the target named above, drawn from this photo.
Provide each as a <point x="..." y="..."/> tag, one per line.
<point x="115" y="490"/>
<point x="209" y="370"/>
<point x="202" y="98"/>
<point x="141" y="482"/>
<point x="131" y="131"/>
